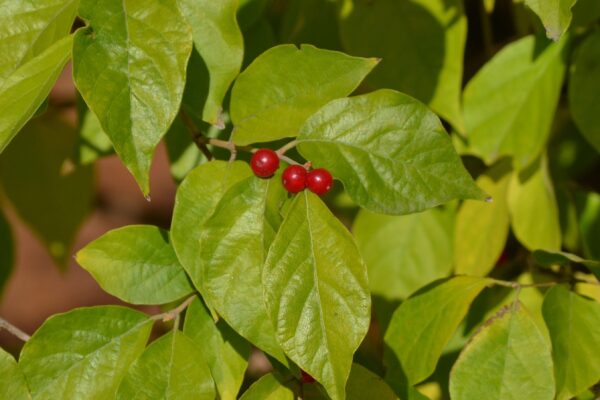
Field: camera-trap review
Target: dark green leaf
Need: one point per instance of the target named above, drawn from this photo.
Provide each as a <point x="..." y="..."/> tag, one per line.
<point x="316" y="291"/>
<point x="137" y="264"/>
<point x="391" y="153"/>
<point x="285" y="85"/>
<point x="12" y="383"/>
<point x="84" y="353"/>
<point x="588" y="205"/>
<point x="549" y="258"/>
<point x="129" y="65"/>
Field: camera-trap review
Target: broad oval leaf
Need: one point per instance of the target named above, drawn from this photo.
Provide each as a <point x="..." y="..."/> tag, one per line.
<point x="316" y="291"/>
<point x="137" y="264"/>
<point x="196" y="199"/>
<point x="285" y="85"/>
<point x="482" y="228"/>
<point x="25" y="89"/>
<point x="12" y="383"/>
<point x="84" y="353"/>
<point x="268" y="387"/>
<point x="533" y="208"/>
<point x="404" y="253"/>
<point x="574" y="325"/>
<point x="422" y="326"/>
<point x="223" y="349"/>
<point x="584" y="86"/>
<point x="6" y="251"/>
<point x="555" y="15"/>
<point x="391" y="153"/>
<point x="129" y="65"/>
<point x="233" y="244"/>
<point x="219" y="41"/>
<point x="509" y="104"/>
<point x="425" y="57"/>
<point x="172" y="367"/>
<point x="507" y="359"/>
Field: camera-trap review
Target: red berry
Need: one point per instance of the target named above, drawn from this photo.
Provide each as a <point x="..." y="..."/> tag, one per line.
<point x="264" y="163"/>
<point x="319" y="181"/>
<point x="306" y="378"/>
<point x="294" y="178"/>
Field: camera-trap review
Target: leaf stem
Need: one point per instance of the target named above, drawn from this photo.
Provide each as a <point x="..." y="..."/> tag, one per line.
<point x="196" y="135"/>
<point x="4" y="324"/>
<point x="288" y="146"/>
<point x="174" y="313"/>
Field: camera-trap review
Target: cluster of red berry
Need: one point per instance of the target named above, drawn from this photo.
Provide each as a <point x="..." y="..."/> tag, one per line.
<point x="295" y="178"/>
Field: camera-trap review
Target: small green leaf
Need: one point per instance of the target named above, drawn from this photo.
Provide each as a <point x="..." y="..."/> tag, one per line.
<point x="549" y="258"/>
<point x="172" y="367"/>
<point x="223" y="349"/>
<point x="533" y="208"/>
<point x="219" y="41"/>
<point x="49" y="194"/>
<point x="507" y="359"/>
<point x="574" y="325"/>
<point x="285" y="85"/>
<point x="129" y="65"/>
<point x="555" y="15"/>
<point x="404" y="253"/>
<point x="195" y="201"/>
<point x="363" y="384"/>
<point x="83" y="353"/>
<point x="391" y="153"/>
<point x="482" y="228"/>
<point x="268" y="387"/>
<point x="6" y="251"/>
<point x="422" y="326"/>
<point x="509" y="105"/>
<point x="316" y="291"/>
<point x="231" y="256"/>
<point x="25" y="88"/>
<point x="137" y="264"/>
<point x="425" y="57"/>
<point x="12" y="384"/>
<point x="93" y="141"/>
<point x="584" y="86"/>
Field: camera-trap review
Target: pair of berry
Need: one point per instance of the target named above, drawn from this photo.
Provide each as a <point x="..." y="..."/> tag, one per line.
<point x="295" y="178"/>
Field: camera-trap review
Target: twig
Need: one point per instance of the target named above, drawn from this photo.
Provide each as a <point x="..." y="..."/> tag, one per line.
<point x="196" y="135"/>
<point x="174" y="313"/>
<point x="286" y="147"/>
<point x="4" y="324"/>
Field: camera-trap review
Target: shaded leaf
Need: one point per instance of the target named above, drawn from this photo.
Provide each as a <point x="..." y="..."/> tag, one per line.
<point x="223" y="349"/>
<point x="137" y="264"/>
<point x="316" y="291"/>
<point x="507" y="359"/>
<point x="93" y="141"/>
<point x="391" y="153"/>
<point x="422" y="326"/>
<point x="549" y="258"/>
<point x="172" y="367"/>
<point x="129" y="65"/>
<point x="404" y="253"/>
<point x="555" y="15"/>
<point x="6" y="251"/>
<point x="183" y="153"/>
<point x="363" y="384"/>
<point x="268" y="387"/>
<point x="588" y="205"/>
<point x="12" y="384"/>
<point x="83" y="353"/>
<point x="285" y="85"/>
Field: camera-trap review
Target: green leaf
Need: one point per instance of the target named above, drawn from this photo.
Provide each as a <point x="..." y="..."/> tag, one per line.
<point x="574" y="325"/>
<point x="555" y="15"/>
<point x="268" y="387"/>
<point x="129" y="65"/>
<point x="588" y="205"/>
<point x="363" y="384"/>
<point x="404" y="253"/>
<point x="425" y="57"/>
<point x="12" y="384"/>
<point x="84" y="353"/>
<point x="232" y="251"/>
<point x="316" y="291"/>
<point x="137" y="264"/>
<point x="93" y="141"/>
<point x="223" y="349"/>
<point x="195" y="201"/>
<point x="585" y="12"/>
<point x="49" y="194"/>
<point x="172" y="367"/>
<point x="584" y="86"/>
<point x="391" y="153"/>
<point x="6" y="251"/>
<point x="509" y="104"/>
<point x="533" y="208"/>
<point x="311" y="21"/>
<point x="482" y="228"/>
<point x="422" y="326"/>
<point x="549" y="258"/>
<point x="219" y="41"/>
<point x="285" y="85"/>
<point x="507" y="359"/>
<point x="183" y="153"/>
<point x="24" y="89"/>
